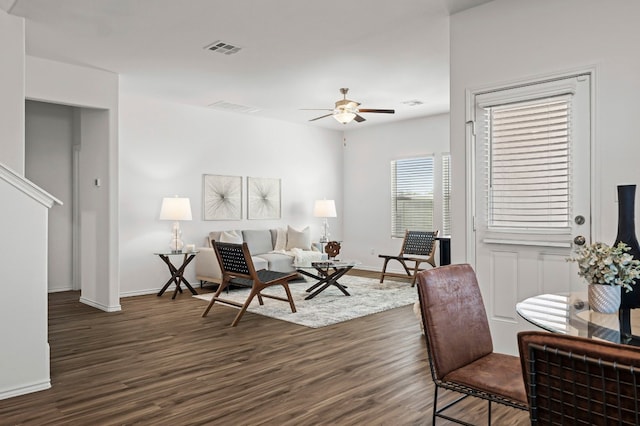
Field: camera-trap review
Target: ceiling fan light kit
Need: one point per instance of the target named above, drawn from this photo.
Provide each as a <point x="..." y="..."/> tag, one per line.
<point x="347" y="110"/>
<point x="344" y="117"/>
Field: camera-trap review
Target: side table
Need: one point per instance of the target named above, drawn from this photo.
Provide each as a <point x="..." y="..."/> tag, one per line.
<point x="177" y="273"/>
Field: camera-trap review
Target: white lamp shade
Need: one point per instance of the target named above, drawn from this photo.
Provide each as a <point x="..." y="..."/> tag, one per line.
<point x="325" y="208"/>
<point x="175" y="208"/>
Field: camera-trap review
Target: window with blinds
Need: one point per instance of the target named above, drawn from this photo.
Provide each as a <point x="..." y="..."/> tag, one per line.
<point x="411" y="195"/>
<point x="529" y="164"/>
<point x="446" y="194"/>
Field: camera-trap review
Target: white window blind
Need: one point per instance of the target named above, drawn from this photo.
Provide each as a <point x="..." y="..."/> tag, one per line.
<point x="529" y="164"/>
<point x="446" y="194"/>
<point x="411" y="195"/>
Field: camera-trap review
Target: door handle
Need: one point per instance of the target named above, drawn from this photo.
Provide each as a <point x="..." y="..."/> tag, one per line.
<point x="579" y="240"/>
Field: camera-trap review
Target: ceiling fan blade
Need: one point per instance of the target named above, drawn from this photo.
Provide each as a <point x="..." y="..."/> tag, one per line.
<point x="383" y="111"/>
<point x="322" y="116"/>
<point x="359" y="118"/>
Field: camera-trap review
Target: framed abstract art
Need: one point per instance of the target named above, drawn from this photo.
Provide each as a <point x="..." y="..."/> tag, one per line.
<point x="221" y="197"/>
<point x="263" y="198"/>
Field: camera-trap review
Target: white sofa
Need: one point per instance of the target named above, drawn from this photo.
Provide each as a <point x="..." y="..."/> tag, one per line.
<point x="271" y="249"/>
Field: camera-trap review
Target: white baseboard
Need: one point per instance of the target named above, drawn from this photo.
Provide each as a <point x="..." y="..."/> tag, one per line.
<point x="100" y="306"/>
<point x="379" y="268"/>
<point x="144" y="292"/>
<point x="168" y="291"/>
<point x="368" y="268"/>
<point x="22" y="390"/>
<point x="59" y="289"/>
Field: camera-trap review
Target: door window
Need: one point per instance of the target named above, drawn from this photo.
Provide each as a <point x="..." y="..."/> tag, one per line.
<point x="529" y="164"/>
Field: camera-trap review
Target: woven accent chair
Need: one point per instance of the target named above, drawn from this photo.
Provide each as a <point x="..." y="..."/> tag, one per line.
<point x="237" y="268"/>
<point x="574" y="380"/>
<point x="417" y="247"/>
<point x="459" y="343"/>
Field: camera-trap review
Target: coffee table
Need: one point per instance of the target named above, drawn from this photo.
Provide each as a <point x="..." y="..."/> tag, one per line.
<point x="328" y="273"/>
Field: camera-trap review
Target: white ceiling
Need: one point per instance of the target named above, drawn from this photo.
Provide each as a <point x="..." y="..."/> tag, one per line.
<point x="295" y="53"/>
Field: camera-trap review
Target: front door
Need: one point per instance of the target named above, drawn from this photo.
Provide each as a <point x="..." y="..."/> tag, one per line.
<point x="532" y="191"/>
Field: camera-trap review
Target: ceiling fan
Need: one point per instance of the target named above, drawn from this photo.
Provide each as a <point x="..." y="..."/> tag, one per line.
<point x="347" y="110"/>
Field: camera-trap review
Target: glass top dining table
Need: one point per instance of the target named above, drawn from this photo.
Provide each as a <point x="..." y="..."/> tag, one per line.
<point x="569" y="313"/>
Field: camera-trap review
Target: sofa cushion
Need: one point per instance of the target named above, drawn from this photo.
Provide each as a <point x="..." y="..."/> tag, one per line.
<point x="234" y="237"/>
<point x="298" y="239"/>
<point x="258" y="241"/>
<point x="259" y="263"/>
<point x="278" y="262"/>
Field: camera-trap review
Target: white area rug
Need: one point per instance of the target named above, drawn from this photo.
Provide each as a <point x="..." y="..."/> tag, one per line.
<point x="368" y="297"/>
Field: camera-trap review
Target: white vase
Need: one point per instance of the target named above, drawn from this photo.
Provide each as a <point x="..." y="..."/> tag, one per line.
<point x="604" y="298"/>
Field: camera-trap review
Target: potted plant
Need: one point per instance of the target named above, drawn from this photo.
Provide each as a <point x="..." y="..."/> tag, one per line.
<point x="607" y="270"/>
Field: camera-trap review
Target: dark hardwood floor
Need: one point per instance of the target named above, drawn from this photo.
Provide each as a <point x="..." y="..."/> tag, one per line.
<point x="157" y="362"/>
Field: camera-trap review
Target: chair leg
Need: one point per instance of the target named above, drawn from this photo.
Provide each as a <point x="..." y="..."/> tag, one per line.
<point x="416" y="269"/>
<point x="221" y="287"/>
<point x="440" y="412"/>
<point x="489" y="415"/>
<point x="435" y="405"/>
<point x="384" y="269"/>
<point x="406" y="268"/>
<point x="286" y="289"/>
<point x="244" y="307"/>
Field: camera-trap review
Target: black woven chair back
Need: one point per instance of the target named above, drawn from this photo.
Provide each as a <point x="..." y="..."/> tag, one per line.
<point x="232" y="257"/>
<point x="418" y="242"/>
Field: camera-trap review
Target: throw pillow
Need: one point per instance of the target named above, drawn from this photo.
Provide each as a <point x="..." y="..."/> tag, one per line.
<point x="281" y="240"/>
<point x="298" y="239"/>
<point x="231" y="237"/>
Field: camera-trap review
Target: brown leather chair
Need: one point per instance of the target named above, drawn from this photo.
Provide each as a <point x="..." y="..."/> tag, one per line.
<point x="417" y="247"/>
<point x="459" y="342"/>
<point x="237" y="268"/>
<point x="574" y="380"/>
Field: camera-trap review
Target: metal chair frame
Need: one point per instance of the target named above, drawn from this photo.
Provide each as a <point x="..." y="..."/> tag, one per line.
<point x="438" y="412"/>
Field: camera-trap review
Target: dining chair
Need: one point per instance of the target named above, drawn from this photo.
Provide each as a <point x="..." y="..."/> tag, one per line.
<point x="576" y="380"/>
<point x="237" y="268"/>
<point x="459" y="344"/>
<point x="417" y="247"/>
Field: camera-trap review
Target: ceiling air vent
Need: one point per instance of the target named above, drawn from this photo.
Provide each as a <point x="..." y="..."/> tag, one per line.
<point x="228" y="106"/>
<point x="222" y="47"/>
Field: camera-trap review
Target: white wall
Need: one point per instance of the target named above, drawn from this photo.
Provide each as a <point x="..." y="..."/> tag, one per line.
<point x="367" y="185"/>
<point x="99" y="279"/>
<point x="24" y="358"/>
<point x="96" y="92"/>
<point x="165" y="148"/>
<point x="12" y="91"/>
<point x="502" y="42"/>
<point x="48" y="163"/>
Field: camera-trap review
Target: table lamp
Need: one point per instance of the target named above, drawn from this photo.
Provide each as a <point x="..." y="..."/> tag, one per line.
<point x="325" y="209"/>
<point x="176" y="209"/>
